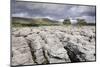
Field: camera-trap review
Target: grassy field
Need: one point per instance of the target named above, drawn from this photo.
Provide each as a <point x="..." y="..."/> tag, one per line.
<point x="28" y="22"/>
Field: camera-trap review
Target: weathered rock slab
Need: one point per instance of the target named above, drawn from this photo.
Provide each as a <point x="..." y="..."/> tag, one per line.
<point x="53" y="44"/>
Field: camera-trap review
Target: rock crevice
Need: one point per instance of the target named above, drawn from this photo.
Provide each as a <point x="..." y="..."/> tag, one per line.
<point x="46" y="45"/>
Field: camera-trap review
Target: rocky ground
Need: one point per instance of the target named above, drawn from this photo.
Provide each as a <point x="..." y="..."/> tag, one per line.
<point x="52" y="44"/>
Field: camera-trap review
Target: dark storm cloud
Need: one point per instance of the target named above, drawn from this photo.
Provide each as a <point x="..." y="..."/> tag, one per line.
<point x="56" y="11"/>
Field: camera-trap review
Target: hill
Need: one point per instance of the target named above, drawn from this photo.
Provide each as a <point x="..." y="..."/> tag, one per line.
<point x="19" y="21"/>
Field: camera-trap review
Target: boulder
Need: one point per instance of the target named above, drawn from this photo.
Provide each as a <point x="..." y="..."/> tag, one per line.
<point x="21" y="54"/>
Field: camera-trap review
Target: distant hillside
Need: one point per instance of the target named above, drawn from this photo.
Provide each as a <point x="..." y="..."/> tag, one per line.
<point x="21" y="20"/>
<point x="91" y="24"/>
<point x="33" y="21"/>
<point x="18" y="21"/>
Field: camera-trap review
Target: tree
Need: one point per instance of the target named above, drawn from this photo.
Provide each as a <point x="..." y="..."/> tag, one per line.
<point x="67" y="21"/>
<point x="81" y="22"/>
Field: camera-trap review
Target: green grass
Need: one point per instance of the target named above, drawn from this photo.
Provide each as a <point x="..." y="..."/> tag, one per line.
<point x="31" y="25"/>
<point x="36" y="23"/>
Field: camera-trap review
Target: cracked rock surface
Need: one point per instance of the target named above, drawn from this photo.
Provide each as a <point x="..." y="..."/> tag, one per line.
<point x="52" y="44"/>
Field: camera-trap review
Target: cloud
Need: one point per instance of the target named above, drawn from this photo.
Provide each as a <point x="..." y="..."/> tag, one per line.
<point x="89" y="19"/>
<point x="21" y="14"/>
<point x="56" y="11"/>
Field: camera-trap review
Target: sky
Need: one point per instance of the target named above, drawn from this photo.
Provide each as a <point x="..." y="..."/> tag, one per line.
<point x="52" y="11"/>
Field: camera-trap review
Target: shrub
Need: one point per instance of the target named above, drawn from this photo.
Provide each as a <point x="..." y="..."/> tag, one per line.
<point x="81" y="22"/>
<point x="67" y="21"/>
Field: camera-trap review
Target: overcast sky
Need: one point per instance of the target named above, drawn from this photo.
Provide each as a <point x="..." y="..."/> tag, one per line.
<point x="52" y="11"/>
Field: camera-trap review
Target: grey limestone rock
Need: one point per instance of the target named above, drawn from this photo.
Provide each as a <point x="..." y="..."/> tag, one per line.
<point x="53" y="44"/>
